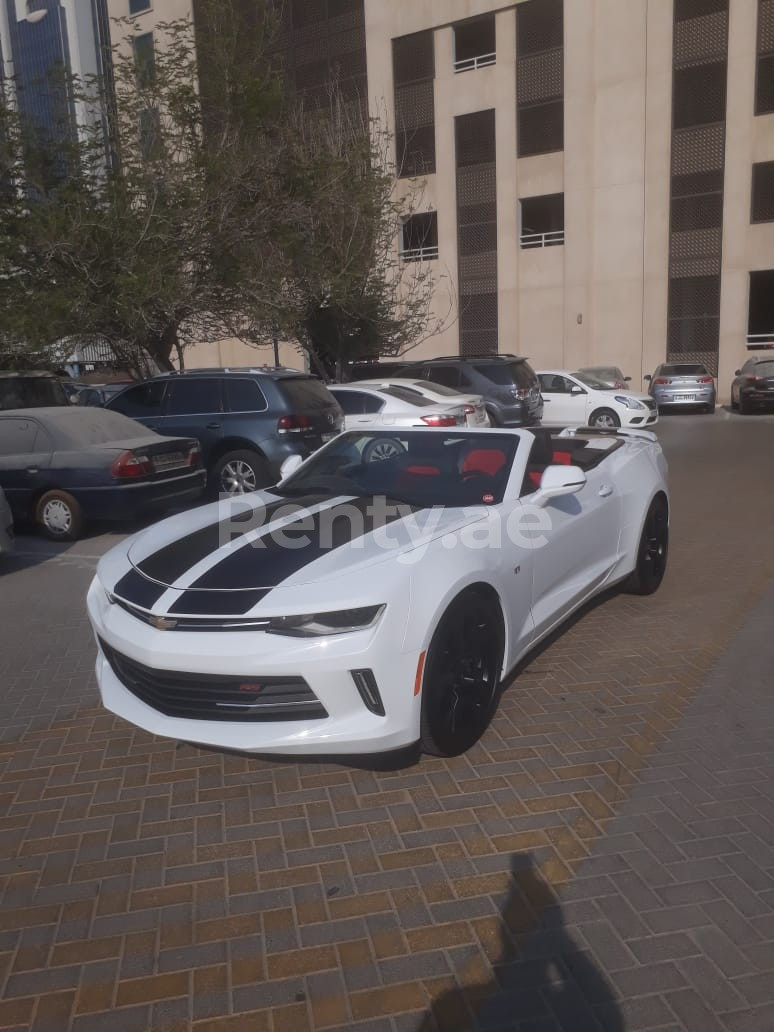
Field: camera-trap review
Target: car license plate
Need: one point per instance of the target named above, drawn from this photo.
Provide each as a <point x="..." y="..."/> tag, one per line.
<point x="684" y="397"/>
<point x="170" y="461"/>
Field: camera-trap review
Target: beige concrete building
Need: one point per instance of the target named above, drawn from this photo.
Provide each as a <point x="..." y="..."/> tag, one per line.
<point x="598" y="175"/>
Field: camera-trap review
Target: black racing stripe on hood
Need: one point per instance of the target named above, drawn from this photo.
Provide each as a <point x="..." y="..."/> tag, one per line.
<point x="217" y="603"/>
<point x="269" y="560"/>
<point x="172" y="561"/>
<point x="136" y="589"/>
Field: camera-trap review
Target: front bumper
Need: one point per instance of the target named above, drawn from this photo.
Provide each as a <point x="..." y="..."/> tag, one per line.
<point x="639" y="418"/>
<point x="324" y="663"/>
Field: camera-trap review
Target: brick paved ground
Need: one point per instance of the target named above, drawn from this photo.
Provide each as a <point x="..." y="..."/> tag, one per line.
<point x="604" y="858"/>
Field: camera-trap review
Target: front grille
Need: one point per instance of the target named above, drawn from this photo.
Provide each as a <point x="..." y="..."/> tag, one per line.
<point x="248" y="698"/>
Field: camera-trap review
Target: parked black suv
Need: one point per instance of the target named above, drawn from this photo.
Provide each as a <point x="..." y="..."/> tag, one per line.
<point x="247" y="421"/>
<point x="508" y="384"/>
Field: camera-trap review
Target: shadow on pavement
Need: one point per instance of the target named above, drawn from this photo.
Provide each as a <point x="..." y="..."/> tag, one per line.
<point x="542" y="980"/>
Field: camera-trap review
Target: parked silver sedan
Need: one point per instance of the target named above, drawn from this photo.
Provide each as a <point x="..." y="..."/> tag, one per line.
<point x="6" y="525"/>
<point x="678" y="384"/>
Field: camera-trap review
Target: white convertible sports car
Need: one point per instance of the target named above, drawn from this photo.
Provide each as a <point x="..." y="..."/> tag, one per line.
<point x="361" y="606"/>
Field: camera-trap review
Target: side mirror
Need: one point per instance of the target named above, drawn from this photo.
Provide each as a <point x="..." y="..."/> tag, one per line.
<point x="558" y="481"/>
<point x="290" y="465"/>
<point x="575" y="389"/>
<point x="647" y="377"/>
<point x="738" y="372"/>
<point x="628" y="379"/>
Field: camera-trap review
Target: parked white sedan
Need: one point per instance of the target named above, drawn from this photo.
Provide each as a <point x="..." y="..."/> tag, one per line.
<point x="580" y="399"/>
<point x="361" y="606"/>
<point x="473" y="404"/>
<point x="391" y="407"/>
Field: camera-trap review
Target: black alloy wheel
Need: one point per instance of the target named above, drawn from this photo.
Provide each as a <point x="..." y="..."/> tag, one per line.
<point x="652" y="552"/>
<point x="462" y="675"/>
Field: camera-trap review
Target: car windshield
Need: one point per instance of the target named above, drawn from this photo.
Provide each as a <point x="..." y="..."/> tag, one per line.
<point x="604" y="372"/>
<point x="593" y="381"/>
<point x="763" y="368"/>
<point x="437" y="388"/>
<point x="506" y="374"/>
<point x="684" y="369"/>
<point x="405" y="394"/>
<point x="419" y="467"/>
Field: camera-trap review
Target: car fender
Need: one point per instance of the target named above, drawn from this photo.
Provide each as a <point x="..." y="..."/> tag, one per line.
<point x="436" y="584"/>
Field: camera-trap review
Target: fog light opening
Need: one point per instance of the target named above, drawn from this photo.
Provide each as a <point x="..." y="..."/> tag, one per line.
<point x="365" y="682"/>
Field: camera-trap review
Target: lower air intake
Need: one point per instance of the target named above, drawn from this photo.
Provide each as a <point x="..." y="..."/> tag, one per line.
<point x="249" y="698"/>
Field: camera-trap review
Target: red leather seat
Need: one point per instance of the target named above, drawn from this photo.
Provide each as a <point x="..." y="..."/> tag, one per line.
<point x="484" y="460"/>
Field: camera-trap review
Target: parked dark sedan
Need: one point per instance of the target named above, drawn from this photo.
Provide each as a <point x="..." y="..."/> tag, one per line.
<point x="753" y="386"/>
<point x="61" y="466"/>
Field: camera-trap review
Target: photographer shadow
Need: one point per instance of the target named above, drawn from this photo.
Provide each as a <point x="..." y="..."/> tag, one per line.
<point x="542" y="981"/>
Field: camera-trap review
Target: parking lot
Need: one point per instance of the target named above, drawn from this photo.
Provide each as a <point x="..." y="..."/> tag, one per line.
<point x="602" y="859"/>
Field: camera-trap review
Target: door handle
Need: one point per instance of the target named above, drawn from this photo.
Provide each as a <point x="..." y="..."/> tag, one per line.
<point x="605" y="490"/>
<point x="213" y="426"/>
<point x="33" y="469"/>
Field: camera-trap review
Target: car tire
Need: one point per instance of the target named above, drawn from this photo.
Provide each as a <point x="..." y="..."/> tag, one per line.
<point x="493" y="417"/>
<point x="652" y="551"/>
<point x="239" y="472"/>
<point x="744" y="406"/>
<point x="710" y="409"/>
<point x="382" y="448"/>
<point x="734" y="404"/>
<point x="604" y="418"/>
<point x="59" y="516"/>
<point x="461" y="680"/>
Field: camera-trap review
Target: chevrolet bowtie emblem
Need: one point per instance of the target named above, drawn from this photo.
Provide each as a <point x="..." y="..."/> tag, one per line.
<point x="163" y="623"/>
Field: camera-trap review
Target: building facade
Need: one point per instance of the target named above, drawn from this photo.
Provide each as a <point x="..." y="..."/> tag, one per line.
<point x="597" y="176"/>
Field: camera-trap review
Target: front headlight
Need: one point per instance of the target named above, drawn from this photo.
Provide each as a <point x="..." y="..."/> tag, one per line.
<point x="317" y="625"/>
<point x="631" y="403"/>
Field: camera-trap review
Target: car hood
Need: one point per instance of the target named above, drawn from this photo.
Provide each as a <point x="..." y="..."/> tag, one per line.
<point x="263" y="541"/>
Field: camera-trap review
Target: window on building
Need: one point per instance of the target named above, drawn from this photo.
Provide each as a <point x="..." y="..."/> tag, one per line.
<point x="138" y="6"/>
<point x="763" y="192"/>
<point x="542" y="221"/>
<point x="144" y="58"/>
<point x="764" y="75"/>
<point x="474" y="44"/>
<point x="419" y="237"/>
<point x="540" y="77"/>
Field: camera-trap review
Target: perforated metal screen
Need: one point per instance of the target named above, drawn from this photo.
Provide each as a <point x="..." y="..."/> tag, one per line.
<point x="764" y="74"/>
<point x="700" y="71"/>
<point x="474" y="137"/>
<point x="322" y="42"/>
<point x="413" y="71"/>
<point x="539" y="77"/>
